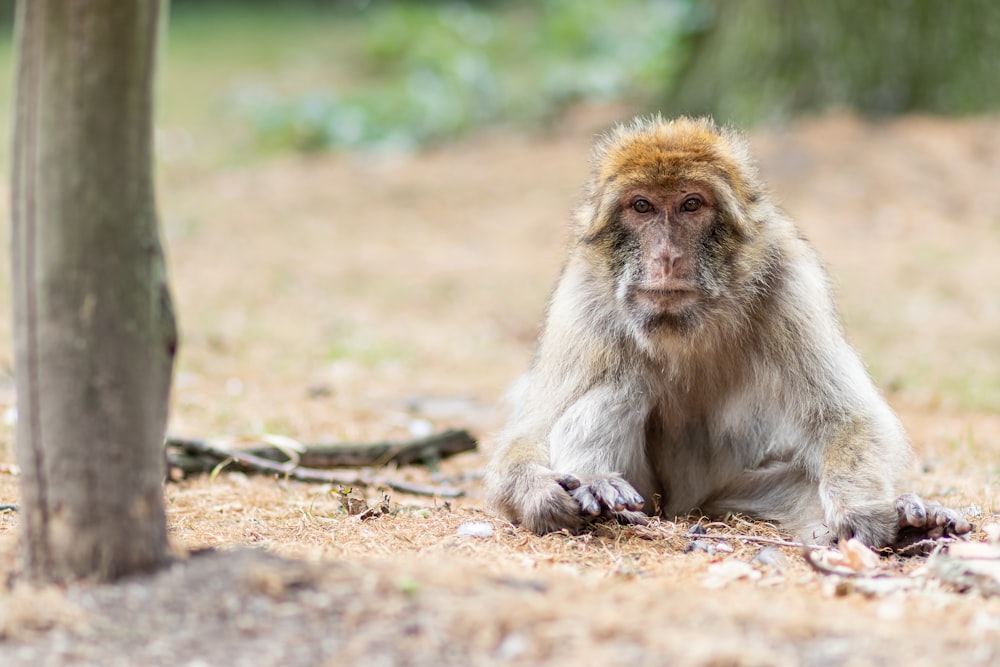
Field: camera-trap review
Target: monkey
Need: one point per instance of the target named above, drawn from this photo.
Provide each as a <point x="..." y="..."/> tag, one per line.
<point x="692" y="359"/>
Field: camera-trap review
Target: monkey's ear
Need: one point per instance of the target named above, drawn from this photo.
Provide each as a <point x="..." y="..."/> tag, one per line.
<point x="584" y="217"/>
<point x="597" y="212"/>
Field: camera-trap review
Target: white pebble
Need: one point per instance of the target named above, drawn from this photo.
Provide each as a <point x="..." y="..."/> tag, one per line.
<point x="475" y="529"/>
<point x="421" y="428"/>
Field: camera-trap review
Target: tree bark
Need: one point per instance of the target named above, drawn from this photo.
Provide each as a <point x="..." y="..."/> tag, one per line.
<point x="770" y="59"/>
<point x="94" y="328"/>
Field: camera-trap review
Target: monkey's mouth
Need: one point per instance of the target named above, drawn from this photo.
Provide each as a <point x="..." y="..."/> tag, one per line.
<point x="666" y="300"/>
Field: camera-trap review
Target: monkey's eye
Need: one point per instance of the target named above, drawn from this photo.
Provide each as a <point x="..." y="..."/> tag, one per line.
<point x="691" y="204"/>
<point x="641" y="205"/>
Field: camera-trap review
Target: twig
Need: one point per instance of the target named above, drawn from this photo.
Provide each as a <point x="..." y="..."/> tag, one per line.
<point x="925" y="547"/>
<point x="426" y="450"/>
<point x="758" y="540"/>
<point x="250" y="463"/>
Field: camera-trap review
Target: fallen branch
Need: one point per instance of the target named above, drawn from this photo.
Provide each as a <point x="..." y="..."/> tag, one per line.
<point x="425" y="451"/>
<point x="244" y="461"/>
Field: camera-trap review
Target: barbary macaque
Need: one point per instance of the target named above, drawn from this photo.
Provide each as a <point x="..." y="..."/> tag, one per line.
<point x="693" y="360"/>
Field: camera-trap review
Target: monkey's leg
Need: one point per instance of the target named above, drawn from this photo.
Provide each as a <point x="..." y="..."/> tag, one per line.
<point x="777" y="491"/>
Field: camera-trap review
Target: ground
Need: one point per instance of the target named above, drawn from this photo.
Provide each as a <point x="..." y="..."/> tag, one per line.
<point x="361" y="297"/>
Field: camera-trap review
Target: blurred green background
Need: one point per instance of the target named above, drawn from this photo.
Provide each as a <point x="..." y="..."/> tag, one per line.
<point x="252" y="77"/>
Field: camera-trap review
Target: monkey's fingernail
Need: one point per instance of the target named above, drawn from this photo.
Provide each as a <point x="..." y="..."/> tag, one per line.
<point x="568" y="482"/>
<point x="636" y="507"/>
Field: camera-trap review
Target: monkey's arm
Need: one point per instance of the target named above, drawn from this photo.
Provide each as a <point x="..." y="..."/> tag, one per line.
<point x="578" y="421"/>
<point x="852" y="443"/>
<point x="559" y="478"/>
<point x="553" y="477"/>
<point x="599" y="438"/>
<point x="858" y="494"/>
<point x="857" y="473"/>
<point x="864" y="451"/>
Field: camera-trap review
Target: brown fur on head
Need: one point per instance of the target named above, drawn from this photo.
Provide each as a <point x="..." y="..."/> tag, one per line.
<point x="661" y="153"/>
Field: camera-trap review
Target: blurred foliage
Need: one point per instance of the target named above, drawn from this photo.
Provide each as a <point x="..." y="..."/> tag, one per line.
<point x="307" y="75"/>
<point x="429" y="71"/>
<point x="769" y="59"/>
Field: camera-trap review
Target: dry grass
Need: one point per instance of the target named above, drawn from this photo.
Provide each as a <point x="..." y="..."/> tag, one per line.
<point x="353" y="296"/>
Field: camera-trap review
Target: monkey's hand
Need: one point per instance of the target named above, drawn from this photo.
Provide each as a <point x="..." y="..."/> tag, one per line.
<point x="566" y="502"/>
<point x="872" y="523"/>
<point x="544" y="504"/>
<point x="921" y="519"/>
<point x="609" y="496"/>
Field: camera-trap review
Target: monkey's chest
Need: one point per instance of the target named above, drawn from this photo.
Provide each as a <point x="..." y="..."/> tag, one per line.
<point x="695" y="454"/>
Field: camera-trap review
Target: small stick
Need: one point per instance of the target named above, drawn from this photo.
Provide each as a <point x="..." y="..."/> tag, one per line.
<point x="758" y="540"/>
<point x="250" y="463"/>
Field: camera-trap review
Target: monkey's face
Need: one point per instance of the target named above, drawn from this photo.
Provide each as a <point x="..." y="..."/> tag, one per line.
<point x="668" y="251"/>
<point x="662" y="280"/>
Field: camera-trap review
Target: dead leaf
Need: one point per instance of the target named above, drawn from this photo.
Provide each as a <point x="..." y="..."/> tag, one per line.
<point x="857" y="556"/>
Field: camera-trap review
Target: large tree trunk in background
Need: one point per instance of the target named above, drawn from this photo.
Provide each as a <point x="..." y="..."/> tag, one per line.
<point x="770" y="59"/>
<point x="94" y="330"/>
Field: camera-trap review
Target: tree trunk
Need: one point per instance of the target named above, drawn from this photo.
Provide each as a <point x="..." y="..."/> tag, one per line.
<point x="769" y="59"/>
<point x="94" y="329"/>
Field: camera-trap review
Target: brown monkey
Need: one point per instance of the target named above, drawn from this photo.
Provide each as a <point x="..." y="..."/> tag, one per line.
<point x="693" y="359"/>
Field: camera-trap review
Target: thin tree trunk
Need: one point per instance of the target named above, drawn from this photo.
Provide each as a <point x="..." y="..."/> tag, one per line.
<point x="94" y="329"/>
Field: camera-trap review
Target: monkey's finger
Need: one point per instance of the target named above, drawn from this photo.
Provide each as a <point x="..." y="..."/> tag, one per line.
<point x="939" y="515"/>
<point x="961" y="526"/>
<point x="911" y="511"/>
<point x="568" y="482"/>
<point x="607" y="493"/>
<point x="588" y="502"/>
<point x="629" y="498"/>
<point x="950" y="520"/>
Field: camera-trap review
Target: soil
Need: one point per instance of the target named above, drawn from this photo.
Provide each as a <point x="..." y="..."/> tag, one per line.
<point x="362" y="298"/>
